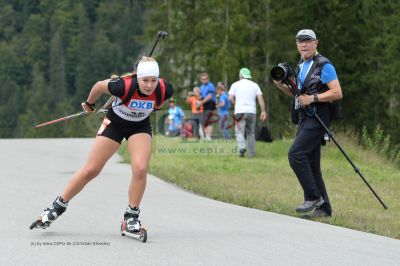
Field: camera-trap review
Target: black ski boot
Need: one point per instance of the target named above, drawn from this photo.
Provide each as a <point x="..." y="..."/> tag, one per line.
<point x="50" y="214"/>
<point x="131" y="226"/>
<point x="131" y="219"/>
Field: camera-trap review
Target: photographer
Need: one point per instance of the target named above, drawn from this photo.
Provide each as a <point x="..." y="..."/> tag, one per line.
<point x="314" y="85"/>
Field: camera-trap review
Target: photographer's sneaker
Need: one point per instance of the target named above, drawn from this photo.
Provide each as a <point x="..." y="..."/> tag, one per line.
<point x="310" y="205"/>
<point x="317" y="213"/>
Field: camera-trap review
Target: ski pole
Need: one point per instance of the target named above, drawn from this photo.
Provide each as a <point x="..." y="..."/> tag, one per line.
<point x="160" y="36"/>
<point x="106" y="105"/>
<point x="67" y="118"/>
<point x="61" y="119"/>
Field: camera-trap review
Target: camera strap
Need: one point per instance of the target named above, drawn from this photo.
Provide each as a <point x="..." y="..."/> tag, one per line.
<point x="303" y="75"/>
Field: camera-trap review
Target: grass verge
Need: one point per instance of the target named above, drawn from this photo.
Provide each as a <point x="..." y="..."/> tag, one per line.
<point x="266" y="182"/>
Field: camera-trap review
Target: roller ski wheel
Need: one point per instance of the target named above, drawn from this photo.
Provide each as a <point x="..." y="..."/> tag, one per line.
<point x="141" y="235"/>
<point x="38" y="224"/>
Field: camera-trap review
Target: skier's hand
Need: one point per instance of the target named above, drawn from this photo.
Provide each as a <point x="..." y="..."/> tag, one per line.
<point x="88" y="107"/>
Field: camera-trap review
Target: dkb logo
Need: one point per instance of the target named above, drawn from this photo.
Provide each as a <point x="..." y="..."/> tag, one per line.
<point x="141" y="105"/>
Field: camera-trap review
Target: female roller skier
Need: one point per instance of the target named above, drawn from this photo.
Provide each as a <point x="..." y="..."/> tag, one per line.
<point x="136" y="96"/>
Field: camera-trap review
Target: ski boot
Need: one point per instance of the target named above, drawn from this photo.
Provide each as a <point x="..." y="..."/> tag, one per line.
<point x="131" y="225"/>
<point x="50" y="214"/>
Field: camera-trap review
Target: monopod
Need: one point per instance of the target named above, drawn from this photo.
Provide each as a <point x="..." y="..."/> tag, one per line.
<point x="311" y="111"/>
<point x="160" y="36"/>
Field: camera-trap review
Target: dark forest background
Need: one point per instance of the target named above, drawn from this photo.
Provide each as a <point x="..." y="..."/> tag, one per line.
<point x="52" y="52"/>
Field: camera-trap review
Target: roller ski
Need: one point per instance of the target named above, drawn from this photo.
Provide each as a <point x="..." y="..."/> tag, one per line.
<point x="50" y="214"/>
<point x="132" y="227"/>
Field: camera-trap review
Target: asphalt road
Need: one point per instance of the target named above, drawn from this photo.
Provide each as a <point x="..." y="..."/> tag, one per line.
<point x="184" y="229"/>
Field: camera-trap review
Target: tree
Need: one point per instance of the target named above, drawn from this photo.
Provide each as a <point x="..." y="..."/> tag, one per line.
<point x="68" y="45"/>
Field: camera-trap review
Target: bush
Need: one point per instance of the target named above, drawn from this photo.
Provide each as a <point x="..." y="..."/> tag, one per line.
<point x="380" y="143"/>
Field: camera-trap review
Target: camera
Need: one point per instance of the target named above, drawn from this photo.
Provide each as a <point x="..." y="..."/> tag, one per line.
<point x="282" y="71"/>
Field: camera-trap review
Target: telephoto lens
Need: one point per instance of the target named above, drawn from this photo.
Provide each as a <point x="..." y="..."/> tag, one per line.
<point x="282" y="71"/>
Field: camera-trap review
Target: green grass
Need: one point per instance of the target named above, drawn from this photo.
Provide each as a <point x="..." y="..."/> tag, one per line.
<point x="266" y="182"/>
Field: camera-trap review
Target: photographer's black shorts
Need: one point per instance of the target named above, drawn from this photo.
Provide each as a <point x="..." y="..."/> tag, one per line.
<point x="117" y="132"/>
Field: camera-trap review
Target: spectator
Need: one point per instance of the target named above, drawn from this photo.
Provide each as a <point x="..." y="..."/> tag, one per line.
<point x="244" y="94"/>
<point x="197" y="111"/>
<point x="207" y="94"/>
<point x="175" y="119"/>
<point x="223" y="109"/>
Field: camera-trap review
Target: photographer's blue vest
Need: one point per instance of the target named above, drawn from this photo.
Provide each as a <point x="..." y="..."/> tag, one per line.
<point x="313" y="83"/>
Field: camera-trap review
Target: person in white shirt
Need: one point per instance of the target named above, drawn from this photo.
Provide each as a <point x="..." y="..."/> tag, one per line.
<point x="243" y="94"/>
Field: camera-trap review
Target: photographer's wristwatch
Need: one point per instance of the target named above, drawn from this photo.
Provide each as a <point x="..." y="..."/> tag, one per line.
<point x="315" y="97"/>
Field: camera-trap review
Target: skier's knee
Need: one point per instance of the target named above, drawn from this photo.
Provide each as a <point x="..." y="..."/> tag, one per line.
<point x="139" y="171"/>
<point x="90" y="172"/>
